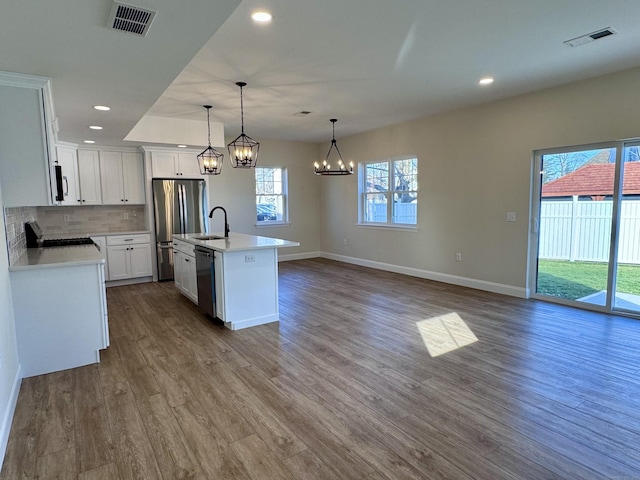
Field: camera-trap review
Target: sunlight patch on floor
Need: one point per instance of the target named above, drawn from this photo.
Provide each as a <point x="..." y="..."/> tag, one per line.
<point x="445" y="333"/>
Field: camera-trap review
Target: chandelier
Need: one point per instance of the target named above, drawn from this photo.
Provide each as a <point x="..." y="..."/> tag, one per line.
<point x="325" y="168"/>
<point x="210" y="160"/>
<point x="243" y="151"/>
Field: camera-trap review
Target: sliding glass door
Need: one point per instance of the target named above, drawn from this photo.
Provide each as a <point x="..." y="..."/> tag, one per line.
<point x="586" y="227"/>
<point x="627" y="266"/>
<point x="574" y="220"/>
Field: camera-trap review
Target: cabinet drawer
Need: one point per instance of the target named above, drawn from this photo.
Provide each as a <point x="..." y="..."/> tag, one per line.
<point x="184" y="247"/>
<point x="128" y="239"/>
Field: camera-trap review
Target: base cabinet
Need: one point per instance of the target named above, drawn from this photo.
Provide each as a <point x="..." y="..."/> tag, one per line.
<point x="129" y="256"/>
<point x="185" y="275"/>
<point x="68" y="325"/>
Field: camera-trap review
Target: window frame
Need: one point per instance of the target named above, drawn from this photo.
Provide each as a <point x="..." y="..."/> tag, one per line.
<point x="284" y="196"/>
<point x="389" y="195"/>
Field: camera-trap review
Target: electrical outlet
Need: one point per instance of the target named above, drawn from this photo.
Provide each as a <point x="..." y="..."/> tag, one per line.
<point x="511" y="216"/>
<point x="249" y="258"/>
<point x="126" y="216"/>
<point x="458" y="257"/>
<point x="345" y="241"/>
<point x="67" y="218"/>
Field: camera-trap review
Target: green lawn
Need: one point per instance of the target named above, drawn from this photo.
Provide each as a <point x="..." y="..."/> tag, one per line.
<point x="573" y="280"/>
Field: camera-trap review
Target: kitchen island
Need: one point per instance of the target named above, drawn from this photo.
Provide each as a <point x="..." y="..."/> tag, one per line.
<point x="245" y="275"/>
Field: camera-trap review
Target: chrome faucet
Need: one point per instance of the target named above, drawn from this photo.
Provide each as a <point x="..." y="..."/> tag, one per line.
<point x="226" y="225"/>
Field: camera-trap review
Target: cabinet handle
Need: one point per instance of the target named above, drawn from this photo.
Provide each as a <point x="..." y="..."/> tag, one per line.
<point x="122" y="199"/>
<point x="186" y="259"/>
<point x="126" y="199"/>
<point x="84" y="200"/>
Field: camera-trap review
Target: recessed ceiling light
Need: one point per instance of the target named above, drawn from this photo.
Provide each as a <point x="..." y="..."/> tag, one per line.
<point x="89" y="141"/>
<point x="103" y="108"/>
<point x="486" y="81"/>
<point x="261" y="16"/>
<point x="95" y="127"/>
<point x="182" y="146"/>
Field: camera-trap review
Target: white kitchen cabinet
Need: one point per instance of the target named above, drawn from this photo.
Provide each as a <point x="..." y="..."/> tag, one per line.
<point x="129" y="256"/>
<point x="175" y="164"/>
<point x="89" y="177"/>
<point x="27" y="139"/>
<point x="64" y="325"/>
<point x="67" y="158"/>
<point x="184" y="268"/>
<point x="121" y="178"/>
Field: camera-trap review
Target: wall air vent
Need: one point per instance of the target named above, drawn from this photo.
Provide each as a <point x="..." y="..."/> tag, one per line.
<point x="590" y="37"/>
<point x="128" y="18"/>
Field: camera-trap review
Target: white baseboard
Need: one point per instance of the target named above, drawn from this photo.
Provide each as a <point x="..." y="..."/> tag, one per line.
<point x="252" y="322"/>
<point x="439" y="277"/>
<point x="128" y="281"/>
<point x="8" y="414"/>
<point x="298" y="256"/>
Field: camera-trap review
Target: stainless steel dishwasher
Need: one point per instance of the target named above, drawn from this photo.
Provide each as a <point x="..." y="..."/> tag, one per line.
<point x="205" y="269"/>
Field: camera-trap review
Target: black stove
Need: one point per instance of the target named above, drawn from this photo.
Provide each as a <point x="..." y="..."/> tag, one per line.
<point x="67" y="242"/>
<point x="34" y="238"/>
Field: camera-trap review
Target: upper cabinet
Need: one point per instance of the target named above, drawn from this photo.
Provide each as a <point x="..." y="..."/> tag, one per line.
<point x="67" y="158"/>
<point x="122" y="178"/>
<point x="89" y="177"/>
<point x="175" y="164"/>
<point x="27" y="136"/>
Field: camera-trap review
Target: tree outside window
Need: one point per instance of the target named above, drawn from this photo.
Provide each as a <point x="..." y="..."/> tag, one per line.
<point x="390" y="192"/>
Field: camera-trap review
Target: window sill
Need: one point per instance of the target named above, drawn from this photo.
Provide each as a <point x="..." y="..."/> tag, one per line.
<point x="386" y="226"/>
<point x="272" y="224"/>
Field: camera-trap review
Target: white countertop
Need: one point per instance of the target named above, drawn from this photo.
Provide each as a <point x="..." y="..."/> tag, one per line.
<point x="236" y="242"/>
<point x="53" y="257"/>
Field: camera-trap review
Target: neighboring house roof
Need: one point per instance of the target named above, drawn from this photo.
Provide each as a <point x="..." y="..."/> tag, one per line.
<point x="595" y="180"/>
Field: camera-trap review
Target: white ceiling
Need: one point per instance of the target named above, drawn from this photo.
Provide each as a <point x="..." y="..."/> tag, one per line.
<point x="369" y="63"/>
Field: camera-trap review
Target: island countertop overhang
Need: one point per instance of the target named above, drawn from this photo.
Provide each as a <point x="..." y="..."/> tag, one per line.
<point x="236" y="242"/>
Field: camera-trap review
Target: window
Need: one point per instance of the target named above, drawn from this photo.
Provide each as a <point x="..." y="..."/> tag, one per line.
<point x="389" y="192"/>
<point x="271" y="195"/>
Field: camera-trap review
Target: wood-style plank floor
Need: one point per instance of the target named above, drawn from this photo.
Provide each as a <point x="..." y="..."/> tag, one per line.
<point x="342" y="388"/>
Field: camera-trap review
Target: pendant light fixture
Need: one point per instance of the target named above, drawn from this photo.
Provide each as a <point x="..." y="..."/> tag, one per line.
<point x="325" y="168"/>
<point x="243" y="151"/>
<point x="210" y="160"/>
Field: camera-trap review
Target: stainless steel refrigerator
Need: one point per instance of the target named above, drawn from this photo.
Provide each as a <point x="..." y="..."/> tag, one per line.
<point x="180" y="206"/>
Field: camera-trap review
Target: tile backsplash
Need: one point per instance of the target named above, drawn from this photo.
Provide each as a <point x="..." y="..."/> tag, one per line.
<point x="15" y="218"/>
<point x="91" y="219"/>
<point x="70" y="220"/>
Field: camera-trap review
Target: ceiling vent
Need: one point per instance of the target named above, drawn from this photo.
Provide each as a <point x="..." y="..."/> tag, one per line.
<point x="590" y="37"/>
<point x="302" y="113"/>
<point x="130" y="19"/>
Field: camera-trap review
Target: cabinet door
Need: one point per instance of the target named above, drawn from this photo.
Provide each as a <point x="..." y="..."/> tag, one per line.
<point x="191" y="278"/>
<point x="89" y="177"/>
<point x="133" y="178"/>
<point x="188" y="165"/>
<point x="219" y="285"/>
<point x="119" y="262"/>
<point x="178" y="270"/>
<point x="67" y="159"/>
<point x="111" y="178"/>
<point x="140" y="260"/>
<point x="164" y="164"/>
<point x="24" y="155"/>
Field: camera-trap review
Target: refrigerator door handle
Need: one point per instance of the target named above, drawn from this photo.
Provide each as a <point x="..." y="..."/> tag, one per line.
<point x="182" y="208"/>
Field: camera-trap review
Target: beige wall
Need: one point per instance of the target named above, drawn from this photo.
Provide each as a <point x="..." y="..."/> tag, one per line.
<point x="474" y="166"/>
<point x="234" y="189"/>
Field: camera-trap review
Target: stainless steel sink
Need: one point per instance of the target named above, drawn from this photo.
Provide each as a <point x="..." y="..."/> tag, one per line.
<point x="209" y="237"/>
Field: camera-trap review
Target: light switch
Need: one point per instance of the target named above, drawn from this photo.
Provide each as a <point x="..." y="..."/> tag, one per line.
<point x="511" y="216"/>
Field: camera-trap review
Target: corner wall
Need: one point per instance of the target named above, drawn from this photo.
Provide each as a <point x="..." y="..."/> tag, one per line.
<point x="474" y="166"/>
